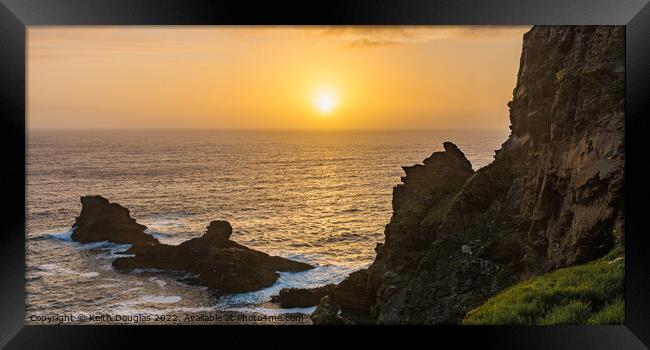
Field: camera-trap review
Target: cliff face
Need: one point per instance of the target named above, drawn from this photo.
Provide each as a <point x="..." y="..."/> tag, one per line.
<point x="552" y="197"/>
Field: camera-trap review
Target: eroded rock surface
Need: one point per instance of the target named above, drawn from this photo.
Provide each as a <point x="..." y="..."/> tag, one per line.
<point x="419" y="206"/>
<point x="301" y="297"/>
<point x="221" y="264"/>
<point x="101" y="220"/>
<point x="552" y="197"/>
<point x="327" y="313"/>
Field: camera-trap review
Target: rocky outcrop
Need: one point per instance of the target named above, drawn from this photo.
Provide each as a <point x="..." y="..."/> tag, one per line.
<point x="221" y="264"/>
<point x="327" y="313"/>
<point x="419" y="206"/>
<point x="301" y="297"/>
<point x="100" y="220"/>
<point x="552" y="197"/>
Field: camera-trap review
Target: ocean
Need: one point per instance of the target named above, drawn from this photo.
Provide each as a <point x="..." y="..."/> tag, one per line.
<point x="322" y="197"/>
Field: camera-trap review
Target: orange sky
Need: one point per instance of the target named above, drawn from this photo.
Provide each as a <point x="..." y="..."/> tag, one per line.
<point x="434" y="77"/>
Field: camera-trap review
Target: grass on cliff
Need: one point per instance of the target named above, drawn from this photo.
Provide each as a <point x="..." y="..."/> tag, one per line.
<point x="585" y="294"/>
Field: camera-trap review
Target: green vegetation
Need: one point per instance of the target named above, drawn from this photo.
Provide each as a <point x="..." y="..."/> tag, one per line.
<point x="585" y="294"/>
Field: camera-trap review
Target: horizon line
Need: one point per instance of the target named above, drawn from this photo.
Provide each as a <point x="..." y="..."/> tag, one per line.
<point x="252" y="129"/>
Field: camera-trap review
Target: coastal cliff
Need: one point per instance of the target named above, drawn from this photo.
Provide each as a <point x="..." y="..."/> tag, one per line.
<point x="552" y="197"/>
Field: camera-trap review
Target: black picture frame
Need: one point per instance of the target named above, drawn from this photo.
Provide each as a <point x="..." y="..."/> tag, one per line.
<point x="16" y="15"/>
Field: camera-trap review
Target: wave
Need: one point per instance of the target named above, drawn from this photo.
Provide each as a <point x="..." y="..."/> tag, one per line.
<point x="250" y="302"/>
<point x="112" y="250"/>
<point x="164" y="237"/>
<point x="159" y="282"/>
<point x="157" y="234"/>
<point x="316" y="277"/>
<point x="63" y="236"/>
<point x="130" y="307"/>
<point x="55" y="269"/>
<point x="89" y="274"/>
<point x="155" y="299"/>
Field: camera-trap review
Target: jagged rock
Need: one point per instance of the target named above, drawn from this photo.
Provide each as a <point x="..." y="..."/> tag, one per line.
<point x="222" y="265"/>
<point x="348" y="302"/>
<point x="218" y="232"/>
<point x="352" y="294"/>
<point x="327" y="313"/>
<point x="420" y="204"/>
<point x="100" y="220"/>
<point x="552" y="197"/>
<point x="301" y="297"/>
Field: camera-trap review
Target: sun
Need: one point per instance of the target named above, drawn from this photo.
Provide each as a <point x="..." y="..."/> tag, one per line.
<point x="325" y="100"/>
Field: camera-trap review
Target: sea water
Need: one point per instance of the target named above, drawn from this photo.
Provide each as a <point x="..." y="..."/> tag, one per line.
<point x="321" y="197"/>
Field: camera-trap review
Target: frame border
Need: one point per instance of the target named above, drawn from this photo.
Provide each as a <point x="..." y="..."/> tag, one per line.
<point x="16" y="15"/>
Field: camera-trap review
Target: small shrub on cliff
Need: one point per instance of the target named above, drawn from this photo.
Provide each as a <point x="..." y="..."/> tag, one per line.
<point x="585" y="294"/>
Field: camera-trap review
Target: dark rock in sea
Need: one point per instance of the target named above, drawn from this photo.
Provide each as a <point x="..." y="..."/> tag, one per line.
<point x="100" y="220"/>
<point x="347" y="303"/>
<point x="219" y="231"/>
<point x="327" y="313"/>
<point x="221" y="264"/>
<point x="352" y="295"/>
<point x="552" y="197"/>
<point x="301" y="297"/>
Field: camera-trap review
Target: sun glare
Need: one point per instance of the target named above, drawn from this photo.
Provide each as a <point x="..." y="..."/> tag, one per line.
<point x="325" y="100"/>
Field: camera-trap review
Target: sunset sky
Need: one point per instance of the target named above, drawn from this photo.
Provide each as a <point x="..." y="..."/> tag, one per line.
<point x="272" y="77"/>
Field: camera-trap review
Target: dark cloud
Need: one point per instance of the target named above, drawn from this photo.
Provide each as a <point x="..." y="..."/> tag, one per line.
<point x="391" y="35"/>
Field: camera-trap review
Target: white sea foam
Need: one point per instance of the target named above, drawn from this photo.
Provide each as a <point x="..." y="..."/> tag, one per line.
<point x="133" y="307"/>
<point x="155" y="299"/>
<point x="315" y="277"/>
<point x="89" y="274"/>
<point x="113" y="249"/>
<point x="165" y="221"/>
<point x="161" y="299"/>
<point x="54" y="269"/>
<point x="48" y="267"/>
<point x="194" y="309"/>
<point x="157" y="227"/>
<point x="64" y="236"/>
<point x="159" y="282"/>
